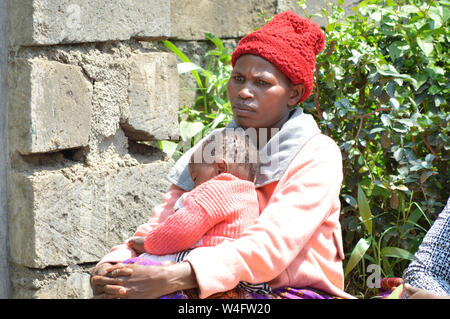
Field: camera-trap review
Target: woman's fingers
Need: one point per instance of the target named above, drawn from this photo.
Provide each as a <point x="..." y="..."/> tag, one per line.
<point x="101" y="281"/>
<point x="115" y="290"/>
<point x="119" y="270"/>
<point x="111" y="292"/>
<point x="410" y="290"/>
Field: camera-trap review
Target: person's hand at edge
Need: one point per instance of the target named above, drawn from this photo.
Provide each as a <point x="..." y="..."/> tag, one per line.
<point x="418" y="293"/>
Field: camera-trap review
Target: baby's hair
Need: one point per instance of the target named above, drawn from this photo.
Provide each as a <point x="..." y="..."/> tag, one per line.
<point x="233" y="145"/>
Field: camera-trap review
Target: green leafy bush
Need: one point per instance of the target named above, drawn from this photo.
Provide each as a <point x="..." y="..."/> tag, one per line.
<point x="211" y="109"/>
<point x="382" y="94"/>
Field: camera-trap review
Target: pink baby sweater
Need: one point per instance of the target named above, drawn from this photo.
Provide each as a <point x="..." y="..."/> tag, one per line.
<point x="296" y="240"/>
<point x="217" y="210"/>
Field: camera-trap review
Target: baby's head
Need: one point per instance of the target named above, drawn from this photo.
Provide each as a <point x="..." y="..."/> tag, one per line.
<point x="226" y="151"/>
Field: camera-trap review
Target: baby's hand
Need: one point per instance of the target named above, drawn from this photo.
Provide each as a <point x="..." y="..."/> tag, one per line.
<point x="137" y="243"/>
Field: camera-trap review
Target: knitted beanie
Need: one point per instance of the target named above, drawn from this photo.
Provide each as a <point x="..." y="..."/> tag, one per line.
<point x="290" y="43"/>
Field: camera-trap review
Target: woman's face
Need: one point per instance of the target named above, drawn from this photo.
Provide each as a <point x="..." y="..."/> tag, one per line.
<point x="260" y="94"/>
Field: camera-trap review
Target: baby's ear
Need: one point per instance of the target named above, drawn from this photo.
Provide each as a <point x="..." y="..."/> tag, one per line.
<point x="222" y="167"/>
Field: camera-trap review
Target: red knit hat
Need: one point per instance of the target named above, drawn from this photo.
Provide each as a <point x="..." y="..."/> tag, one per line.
<point x="290" y="43"/>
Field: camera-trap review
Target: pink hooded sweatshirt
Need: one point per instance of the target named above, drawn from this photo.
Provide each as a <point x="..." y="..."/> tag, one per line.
<point x="297" y="238"/>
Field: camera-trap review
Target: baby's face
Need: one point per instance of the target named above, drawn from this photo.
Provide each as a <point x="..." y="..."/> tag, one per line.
<point x="200" y="173"/>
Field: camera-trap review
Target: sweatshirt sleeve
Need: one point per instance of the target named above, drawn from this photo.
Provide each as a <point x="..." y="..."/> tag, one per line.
<point x="202" y="210"/>
<point x="299" y="205"/>
<point x="161" y="212"/>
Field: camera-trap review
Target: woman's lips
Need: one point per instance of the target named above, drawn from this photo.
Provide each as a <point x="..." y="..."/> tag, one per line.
<point x="243" y="110"/>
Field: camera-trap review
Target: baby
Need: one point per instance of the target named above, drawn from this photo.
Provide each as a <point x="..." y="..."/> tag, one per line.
<point x="222" y="204"/>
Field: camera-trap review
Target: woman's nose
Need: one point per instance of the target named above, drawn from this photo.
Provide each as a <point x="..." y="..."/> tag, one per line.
<point x="246" y="92"/>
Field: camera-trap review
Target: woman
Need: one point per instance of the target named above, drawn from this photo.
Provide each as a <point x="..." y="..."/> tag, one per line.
<point x="297" y="240"/>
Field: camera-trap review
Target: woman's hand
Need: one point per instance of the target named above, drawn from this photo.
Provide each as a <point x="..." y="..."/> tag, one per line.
<point x="417" y="293"/>
<point x="102" y="285"/>
<point x="145" y="282"/>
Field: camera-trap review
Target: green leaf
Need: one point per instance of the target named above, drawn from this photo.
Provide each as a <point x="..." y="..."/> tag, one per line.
<point x="397" y="49"/>
<point x="434" y="89"/>
<point x="188" y="67"/>
<point x="396" y="252"/>
<point x="420" y="78"/>
<point x="408" y="9"/>
<point x="190" y="129"/>
<point x="406" y="122"/>
<point x="172" y="47"/>
<point x="349" y="200"/>
<point x="437" y="14"/>
<point x="168" y="147"/>
<point x="357" y="254"/>
<point x="386" y="120"/>
<point x="364" y="210"/>
<point x="397" y="293"/>
<point x="426" y="45"/>
<point x="394" y="103"/>
<point x="377" y="130"/>
<point x="214" y="40"/>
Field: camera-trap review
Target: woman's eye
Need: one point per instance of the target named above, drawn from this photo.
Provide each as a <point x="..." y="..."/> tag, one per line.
<point x="262" y="82"/>
<point x="238" y="78"/>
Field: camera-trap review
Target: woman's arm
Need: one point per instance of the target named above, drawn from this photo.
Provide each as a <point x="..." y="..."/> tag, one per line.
<point x="309" y="191"/>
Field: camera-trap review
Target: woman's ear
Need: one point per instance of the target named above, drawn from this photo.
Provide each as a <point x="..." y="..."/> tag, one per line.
<point x="222" y="167"/>
<point x="297" y="92"/>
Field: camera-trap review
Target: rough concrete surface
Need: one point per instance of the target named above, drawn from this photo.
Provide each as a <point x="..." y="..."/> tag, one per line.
<point x="225" y="19"/>
<point x="4" y="269"/>
<point x="50" y="106"/>
<point x="48" y="22"/>
<point x="153" y="96"/>
<point x="74" y="215"/>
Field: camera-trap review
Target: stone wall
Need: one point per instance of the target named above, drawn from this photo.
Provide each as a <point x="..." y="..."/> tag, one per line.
<point x="4" y="269"/>
<point x="84" y="97"/>
<point x="85" y="91"/>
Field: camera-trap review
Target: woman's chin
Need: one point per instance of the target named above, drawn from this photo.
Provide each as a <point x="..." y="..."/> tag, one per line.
<point x="244" y="122"/>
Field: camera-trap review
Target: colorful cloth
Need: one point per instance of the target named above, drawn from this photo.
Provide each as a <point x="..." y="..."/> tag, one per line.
<point x="239" y="292"/>
<point x="388" y="286"/>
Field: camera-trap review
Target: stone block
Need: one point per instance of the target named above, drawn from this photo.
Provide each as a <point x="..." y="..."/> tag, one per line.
<point x="70" y="282"/>
<point x="49" y="106"/>
<point x="314" y="6"/>
<point x="75" y="215"/>
<point x="47" y="22"/>
<point x="190" y="20"/>
<point x="4" y="273"/>
<point x="153" y="97"/>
